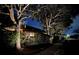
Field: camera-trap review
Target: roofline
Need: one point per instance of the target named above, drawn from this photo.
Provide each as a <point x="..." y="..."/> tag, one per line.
<point x="34" y="28"/>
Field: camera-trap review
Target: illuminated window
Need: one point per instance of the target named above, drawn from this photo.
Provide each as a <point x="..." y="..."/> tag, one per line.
<point x="31" y="33"/>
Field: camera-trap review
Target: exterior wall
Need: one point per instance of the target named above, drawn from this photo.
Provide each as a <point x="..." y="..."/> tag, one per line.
<point x="33" y="38"/>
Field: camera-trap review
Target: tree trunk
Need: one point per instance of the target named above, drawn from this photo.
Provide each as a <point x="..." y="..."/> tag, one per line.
<point x="18" y="40"/>
<point x="18" y="45"/>
<point x="47" y="25"/>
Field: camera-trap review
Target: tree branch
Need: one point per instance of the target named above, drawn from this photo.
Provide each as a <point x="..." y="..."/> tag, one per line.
<point x="9" y="29"/>
<point x="12" y="15"/>
<point x="22" y="11"/>
<point x="4" y="13"/>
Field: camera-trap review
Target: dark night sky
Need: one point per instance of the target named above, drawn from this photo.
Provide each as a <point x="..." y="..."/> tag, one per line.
<point x="34" y="23"/>
<point x="74" y="27"/>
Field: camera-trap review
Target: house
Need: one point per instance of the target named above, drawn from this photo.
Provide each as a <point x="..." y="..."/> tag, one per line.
<point x="33" y="33"/>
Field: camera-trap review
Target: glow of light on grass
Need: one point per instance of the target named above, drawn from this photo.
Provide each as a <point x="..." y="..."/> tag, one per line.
<point x="67" y="37"/>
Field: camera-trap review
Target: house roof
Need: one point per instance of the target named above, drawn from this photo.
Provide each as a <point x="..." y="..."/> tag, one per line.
<point x="33" y="24"/>
<point x="30" y="28"/>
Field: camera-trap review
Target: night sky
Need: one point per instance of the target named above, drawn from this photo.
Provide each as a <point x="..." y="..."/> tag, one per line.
<point x="33" y="23"/>
<point x="74" y="27"/>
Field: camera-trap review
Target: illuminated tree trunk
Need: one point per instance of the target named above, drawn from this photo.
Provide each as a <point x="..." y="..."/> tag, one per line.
<point x="18" y="12"/>
<point x="18" y="40"/>
<point x="47" y="24"/>
<point x="18" y="43"/>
